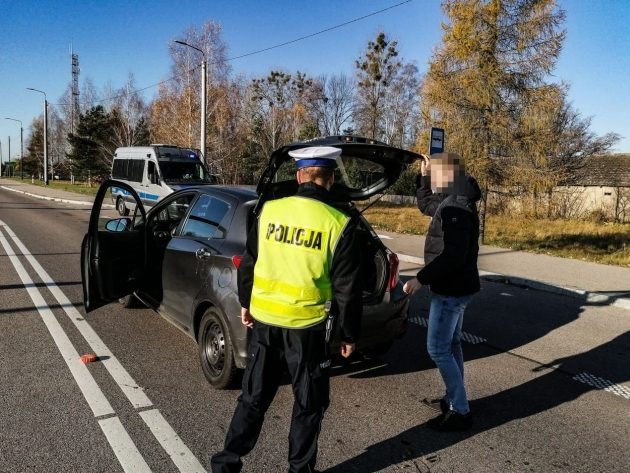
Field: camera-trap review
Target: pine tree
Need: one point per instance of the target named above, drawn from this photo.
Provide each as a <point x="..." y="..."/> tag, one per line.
<point x="92" y="146"/>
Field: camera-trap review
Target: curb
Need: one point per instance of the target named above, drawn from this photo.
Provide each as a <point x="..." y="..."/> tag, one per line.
<point x="581" y="294"/>
<point x="55" y="199"/>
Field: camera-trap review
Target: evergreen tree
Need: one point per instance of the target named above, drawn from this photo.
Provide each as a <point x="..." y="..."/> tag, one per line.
<point x="34" y="156"/>
<point x="92" y="147"/>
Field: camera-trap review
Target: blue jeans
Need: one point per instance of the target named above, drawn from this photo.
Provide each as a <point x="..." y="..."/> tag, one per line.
<point x="445" y="347"/>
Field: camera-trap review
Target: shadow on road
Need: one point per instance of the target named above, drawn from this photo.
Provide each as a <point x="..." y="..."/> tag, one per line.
<point x="509" y="318"/>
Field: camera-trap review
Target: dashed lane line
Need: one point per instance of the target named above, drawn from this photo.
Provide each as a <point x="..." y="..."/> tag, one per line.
<point x="467" y="337"/>
<point x="585" y="378"/>
<point x="603" y="384"/>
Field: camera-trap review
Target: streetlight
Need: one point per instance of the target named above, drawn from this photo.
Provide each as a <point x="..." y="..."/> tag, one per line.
<point x="21" y="147"/>
<point x="45" y="133"/>
<point x="203" y="98"/>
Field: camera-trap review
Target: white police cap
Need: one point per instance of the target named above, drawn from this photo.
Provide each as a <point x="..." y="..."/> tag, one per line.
<point x="316" y="156"/>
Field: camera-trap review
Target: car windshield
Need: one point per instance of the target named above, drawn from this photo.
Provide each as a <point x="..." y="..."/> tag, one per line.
<point x="352" y="172"/>
<point x="184" y="171"/>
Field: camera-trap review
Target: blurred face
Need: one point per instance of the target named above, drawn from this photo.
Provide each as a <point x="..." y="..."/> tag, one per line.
<point x="442" y="175"/>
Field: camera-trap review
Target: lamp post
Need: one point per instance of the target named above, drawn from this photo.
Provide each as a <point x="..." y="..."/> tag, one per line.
<point x="202" y="140"/>
<point x="21" y="146"/>
<point x="45" y="133"/>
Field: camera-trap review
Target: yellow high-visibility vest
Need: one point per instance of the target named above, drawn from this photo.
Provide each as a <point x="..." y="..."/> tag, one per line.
<point x="297" y="237"/>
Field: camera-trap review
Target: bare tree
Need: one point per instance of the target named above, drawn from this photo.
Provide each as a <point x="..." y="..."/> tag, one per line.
<point x="335" y="103"/>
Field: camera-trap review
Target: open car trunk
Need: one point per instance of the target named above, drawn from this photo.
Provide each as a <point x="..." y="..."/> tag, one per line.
<point x="365" y="168"/>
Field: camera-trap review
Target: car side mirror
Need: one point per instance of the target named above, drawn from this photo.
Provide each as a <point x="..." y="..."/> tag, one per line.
<point x="118" y="225"/>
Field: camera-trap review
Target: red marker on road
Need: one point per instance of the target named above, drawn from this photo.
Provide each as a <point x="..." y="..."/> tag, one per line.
<point x="89" y="358"/>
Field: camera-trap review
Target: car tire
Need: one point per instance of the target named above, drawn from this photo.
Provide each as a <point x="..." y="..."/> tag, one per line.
<point x="130" y="302"/>
<point x="216" y="352"/>
<point x="121" y="207"/>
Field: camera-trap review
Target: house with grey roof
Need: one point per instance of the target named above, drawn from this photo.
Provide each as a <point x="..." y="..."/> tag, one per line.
<point x="601" y="185"/>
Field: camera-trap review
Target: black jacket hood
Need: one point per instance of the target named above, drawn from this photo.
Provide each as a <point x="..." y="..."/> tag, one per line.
<point x="472" y="190"/>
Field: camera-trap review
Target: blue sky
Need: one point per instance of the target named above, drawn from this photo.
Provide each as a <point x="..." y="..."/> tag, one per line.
<point x="116" y="37"/>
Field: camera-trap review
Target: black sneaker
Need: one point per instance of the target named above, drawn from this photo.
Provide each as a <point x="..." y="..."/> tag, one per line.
<point x="451" y="422"/>
<point x="433" y="403"/>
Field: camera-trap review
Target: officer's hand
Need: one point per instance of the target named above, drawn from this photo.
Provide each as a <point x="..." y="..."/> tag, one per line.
<point x="425" y="165"/>
<point x="411" y="286"/>
<point x="347" y="349"/>
<point x="247" y="318"/>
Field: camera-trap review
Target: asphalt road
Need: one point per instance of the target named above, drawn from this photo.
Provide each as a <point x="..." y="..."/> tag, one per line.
<point x="536" y="368"/>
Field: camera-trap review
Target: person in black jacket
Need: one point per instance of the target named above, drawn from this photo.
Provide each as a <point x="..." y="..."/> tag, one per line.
<point x="288" y="283"/>
<point x="448" y="195"/>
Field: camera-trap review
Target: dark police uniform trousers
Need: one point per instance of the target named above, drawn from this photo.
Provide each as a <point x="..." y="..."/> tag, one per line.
<point x="304" y="354"/>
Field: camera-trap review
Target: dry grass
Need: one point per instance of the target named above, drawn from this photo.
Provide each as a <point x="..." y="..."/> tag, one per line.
<point x="607" y="243"/>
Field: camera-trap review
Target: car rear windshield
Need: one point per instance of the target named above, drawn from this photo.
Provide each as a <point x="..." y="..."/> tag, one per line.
<point x="352" y="172"/>
<point x="184" y="171"/>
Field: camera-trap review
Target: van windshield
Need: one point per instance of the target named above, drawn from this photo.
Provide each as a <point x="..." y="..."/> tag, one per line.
<point x="184" y="171"/>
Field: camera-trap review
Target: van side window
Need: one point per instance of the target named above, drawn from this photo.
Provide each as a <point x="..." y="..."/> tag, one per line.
<point x="136" y="170"/>
<point x="119" y="169"/>
<point x="152" y="173"/>
<point x="205" y="217"/>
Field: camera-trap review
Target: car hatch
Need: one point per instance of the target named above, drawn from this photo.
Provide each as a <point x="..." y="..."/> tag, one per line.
<point x="365" y="168"/>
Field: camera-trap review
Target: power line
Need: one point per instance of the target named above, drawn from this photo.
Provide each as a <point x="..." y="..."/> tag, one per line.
<point x="259" y="51"/>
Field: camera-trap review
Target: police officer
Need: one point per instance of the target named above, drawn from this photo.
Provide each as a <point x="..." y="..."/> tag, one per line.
<point x="301" y="264"/>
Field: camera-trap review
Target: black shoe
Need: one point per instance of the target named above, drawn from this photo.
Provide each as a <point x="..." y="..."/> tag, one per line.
<point x="451" y="422"/>
<point x="432" y="403"/>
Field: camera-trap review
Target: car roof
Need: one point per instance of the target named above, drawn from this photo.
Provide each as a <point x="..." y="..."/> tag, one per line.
<point x="242" y="193"/>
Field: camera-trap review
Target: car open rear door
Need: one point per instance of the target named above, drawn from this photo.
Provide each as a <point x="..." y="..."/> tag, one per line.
<point x="113" y="250"/>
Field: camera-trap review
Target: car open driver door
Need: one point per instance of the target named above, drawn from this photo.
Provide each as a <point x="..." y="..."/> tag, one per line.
<point x="112" y="252"/>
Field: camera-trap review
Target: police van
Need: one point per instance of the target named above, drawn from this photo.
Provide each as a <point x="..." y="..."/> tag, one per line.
<point x="154" y="172"/>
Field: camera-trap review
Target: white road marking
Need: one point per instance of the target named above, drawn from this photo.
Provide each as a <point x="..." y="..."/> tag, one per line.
<point x="129" y="387"/>
<point x="125" y="450"/>
<point x="384" y="237"/>
<point x="168" y="438"/>
<point x="604" y="384"/>
<point x="91" y="392"/>
<point x="170" y="441"/>
<point x="467" y="337"/>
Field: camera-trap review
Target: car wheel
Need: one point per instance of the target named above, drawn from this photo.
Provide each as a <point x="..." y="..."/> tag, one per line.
<point x="121" y="207"/>
<point x="215" y="350"/>
<point x="130" y="302"/>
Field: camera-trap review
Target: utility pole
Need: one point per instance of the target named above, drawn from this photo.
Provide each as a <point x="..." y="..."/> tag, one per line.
<point x="45" y="133"/>
<point x="21" y="145"/>
<point x="9" y="162"/>
<point x="202" y="140"/>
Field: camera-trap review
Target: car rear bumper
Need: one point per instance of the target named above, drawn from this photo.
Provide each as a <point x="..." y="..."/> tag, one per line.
<point x="382" y="323"/>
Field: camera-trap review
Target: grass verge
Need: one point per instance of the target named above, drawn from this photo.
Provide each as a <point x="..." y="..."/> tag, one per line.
<point x="77" y="188"/>
<point x="607" y="243"/>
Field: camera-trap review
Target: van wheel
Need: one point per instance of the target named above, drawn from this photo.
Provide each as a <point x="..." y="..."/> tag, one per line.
<point x="215" y="350"/>
<point x="121" y="207"/>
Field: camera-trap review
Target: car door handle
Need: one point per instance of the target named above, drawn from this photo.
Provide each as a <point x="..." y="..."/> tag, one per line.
<point x="202" y="253"/>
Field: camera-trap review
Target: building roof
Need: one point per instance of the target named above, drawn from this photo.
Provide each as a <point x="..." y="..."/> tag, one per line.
<point x="610" y="170"/>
